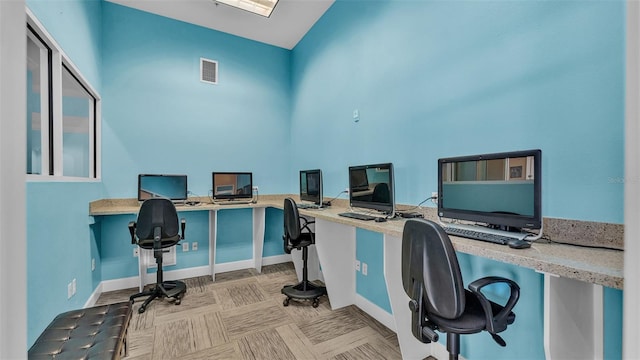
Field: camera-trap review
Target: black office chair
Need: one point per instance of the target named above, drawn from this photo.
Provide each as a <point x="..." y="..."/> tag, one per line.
<point x="432" y="279"/>
<point x="157" y="229"/>
<point x="298" y="235"/>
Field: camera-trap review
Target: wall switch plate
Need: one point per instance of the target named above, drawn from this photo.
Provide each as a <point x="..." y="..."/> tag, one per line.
<point x="136" y="251"/>
<point x="93" y="264"/>
<point x="194" y="246"/>
<point x="357" y="264"/>
<point x="364" y="269"/>
<point x="185" y="246"/>
<point x="69" y="290"/>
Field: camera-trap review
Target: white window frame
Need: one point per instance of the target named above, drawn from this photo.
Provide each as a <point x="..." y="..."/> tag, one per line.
<point x="59" y="59"/>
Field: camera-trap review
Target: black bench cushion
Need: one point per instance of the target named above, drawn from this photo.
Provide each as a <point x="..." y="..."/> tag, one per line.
<point x="92" y="333"/>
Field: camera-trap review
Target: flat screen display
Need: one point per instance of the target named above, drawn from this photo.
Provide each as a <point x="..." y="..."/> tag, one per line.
<point x="371" y="187"/>
<point x="500" y="189"/>
<point x="311" y="186"/>
<point x="232" y="185"/>
<point x="172" y="187"/>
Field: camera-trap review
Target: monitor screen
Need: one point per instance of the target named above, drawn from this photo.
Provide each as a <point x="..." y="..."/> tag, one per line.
<point x="501" y="189"/>
<point x="371" y="187"/>
<point x="311" y="186"/>
<point x="232" y="185"/>
<point x="172" y="187"/>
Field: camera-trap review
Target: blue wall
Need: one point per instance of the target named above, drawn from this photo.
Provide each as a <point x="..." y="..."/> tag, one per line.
<point x="434" y="79"/>
<point x="159" y="118"/>
<point x="60" y="240"/>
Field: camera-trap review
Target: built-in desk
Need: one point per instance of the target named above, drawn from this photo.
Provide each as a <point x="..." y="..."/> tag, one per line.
<point x="570" y="272"/>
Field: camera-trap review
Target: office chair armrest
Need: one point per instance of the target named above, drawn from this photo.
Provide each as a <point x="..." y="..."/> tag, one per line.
<point x="498" y="322"/>
<point x="183" y="225"/>
<point x="306" y="223"/>
<point x="132" y="231"/>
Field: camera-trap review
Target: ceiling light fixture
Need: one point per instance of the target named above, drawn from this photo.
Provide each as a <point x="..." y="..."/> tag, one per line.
<point x="260" y="7"/>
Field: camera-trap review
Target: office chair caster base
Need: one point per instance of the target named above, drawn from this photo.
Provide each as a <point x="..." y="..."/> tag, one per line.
<point x="303" y="291"/>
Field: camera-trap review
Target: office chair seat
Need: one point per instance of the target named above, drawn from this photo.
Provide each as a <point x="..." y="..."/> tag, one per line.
<point x="472" y="320"/>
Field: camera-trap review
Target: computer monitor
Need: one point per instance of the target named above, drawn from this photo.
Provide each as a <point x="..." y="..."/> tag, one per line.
<point x="502" y="190"/>
<point x="371" y="187"/>
<point x="232" y="185"/>
<point x="172" y="187"/>
<point x="311" y="186"/>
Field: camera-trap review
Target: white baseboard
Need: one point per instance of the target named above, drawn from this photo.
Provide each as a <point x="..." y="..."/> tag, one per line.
<point x="134" y="281"/>
<point x="375" y="312"/>
<point x="277" y="259"/>
<point x="233" y="266"/>
<point x="94" y="296"/>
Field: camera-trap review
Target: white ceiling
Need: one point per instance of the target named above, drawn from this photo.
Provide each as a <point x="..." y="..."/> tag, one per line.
<point x="287" y="25"/>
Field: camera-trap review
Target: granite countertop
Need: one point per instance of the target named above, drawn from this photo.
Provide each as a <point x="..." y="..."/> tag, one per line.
<point x="593" y="265"/>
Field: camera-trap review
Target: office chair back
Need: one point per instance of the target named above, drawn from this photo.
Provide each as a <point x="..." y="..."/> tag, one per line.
<point x="157" y="213"/>
<point x="291" y="222"/>
<point x="426" y="243"/>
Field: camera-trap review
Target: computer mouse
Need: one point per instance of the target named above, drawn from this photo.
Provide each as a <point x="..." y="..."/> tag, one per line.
<point x="381" y="219"/>
<point x="518" y="244"/>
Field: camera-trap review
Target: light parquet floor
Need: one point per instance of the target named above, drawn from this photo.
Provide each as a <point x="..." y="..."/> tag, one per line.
<point x="241" y="316"/>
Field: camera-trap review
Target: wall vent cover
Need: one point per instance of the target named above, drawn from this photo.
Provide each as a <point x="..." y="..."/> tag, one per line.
<point x="208" y="71"/>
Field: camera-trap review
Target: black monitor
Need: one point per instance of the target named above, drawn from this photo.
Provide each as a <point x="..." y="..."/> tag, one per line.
<point x="172" y="187"/>
<point x="502" y="190"/>
<point x="311" y="186"/>
<point x="371" y="187"/>
<point x="232" y="185"/>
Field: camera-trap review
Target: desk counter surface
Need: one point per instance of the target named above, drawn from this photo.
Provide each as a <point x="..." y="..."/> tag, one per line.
<point x="591" y="265"/>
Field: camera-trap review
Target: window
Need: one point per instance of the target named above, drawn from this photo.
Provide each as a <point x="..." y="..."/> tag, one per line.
<point x="62" y="113"/>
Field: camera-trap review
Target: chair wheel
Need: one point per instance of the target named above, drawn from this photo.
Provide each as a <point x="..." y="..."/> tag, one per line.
<point x="316" y="302"/>
<point x="177" y="302"/>
<point x="141" y="310"/>
<point x="286" y="302"/>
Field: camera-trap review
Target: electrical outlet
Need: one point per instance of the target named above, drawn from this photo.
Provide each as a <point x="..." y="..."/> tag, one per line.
<point x="346" y="191"/>
<point x="93" y="264"/>
<point x="364" y="269"/>
<point x="357" y="265"/>
<point x="185" y="246"/>
<point x="136" y="251"/>
<point x="194" y="246"/>
<point x="434" y="195"/>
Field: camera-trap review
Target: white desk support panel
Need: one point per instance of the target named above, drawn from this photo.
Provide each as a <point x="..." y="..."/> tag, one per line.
<point x="258" y="217"/>
<point x="573" y="319"/>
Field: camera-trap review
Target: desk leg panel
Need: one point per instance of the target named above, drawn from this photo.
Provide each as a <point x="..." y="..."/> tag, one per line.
<point x="574" y="316"/>
<point x="410" y="347"/>
<point x="213" y="225"/>
<point x="336" y="247"/>
<point x="258" y="236"/>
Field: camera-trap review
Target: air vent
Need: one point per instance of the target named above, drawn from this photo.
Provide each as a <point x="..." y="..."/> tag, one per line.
<point x="208" y="71"/>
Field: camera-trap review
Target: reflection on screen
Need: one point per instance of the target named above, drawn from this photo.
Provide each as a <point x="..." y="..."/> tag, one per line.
<point x="232" y="185"/>
<point x="173" y="187"/>
<point x="311" y="186"/>
<point x="371" y="186"/>
<point x="493" y="186"/>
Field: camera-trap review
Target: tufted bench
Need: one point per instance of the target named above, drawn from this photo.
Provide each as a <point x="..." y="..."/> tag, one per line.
<point x="93" y="333"/>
